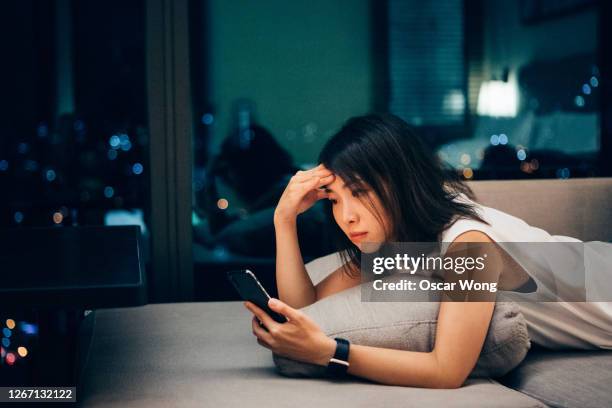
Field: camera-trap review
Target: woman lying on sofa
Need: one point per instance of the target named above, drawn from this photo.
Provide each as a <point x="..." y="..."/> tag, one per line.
<point x="383" y="185"/>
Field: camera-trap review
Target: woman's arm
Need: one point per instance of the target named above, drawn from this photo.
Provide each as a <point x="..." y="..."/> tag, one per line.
<point x="337" y="281"/>
<point x="297" y="284"/>
<point x="461" y="331"/>
<point x="460" y="334"/>
<point x="294" y="285"/>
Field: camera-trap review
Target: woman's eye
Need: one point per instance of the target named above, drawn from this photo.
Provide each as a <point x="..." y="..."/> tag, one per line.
<point x="357" y="193"/>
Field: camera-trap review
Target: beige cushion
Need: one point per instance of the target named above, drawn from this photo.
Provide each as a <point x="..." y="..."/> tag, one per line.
<point x="579" y="208"/>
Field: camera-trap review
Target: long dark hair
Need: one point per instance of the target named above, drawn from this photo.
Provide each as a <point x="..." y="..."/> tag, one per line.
<point x="416" y="189"/>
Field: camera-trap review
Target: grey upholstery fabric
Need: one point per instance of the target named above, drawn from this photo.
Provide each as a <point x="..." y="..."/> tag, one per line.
<point x="580" y="208"/>
<point x="204" y="355"/>
<point x="410" y="326"/>
<point x="580" y="379"/>
<point x="194" y="355"/>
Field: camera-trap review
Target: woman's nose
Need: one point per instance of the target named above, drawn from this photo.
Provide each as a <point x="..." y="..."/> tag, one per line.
<point x="349" y="215"/>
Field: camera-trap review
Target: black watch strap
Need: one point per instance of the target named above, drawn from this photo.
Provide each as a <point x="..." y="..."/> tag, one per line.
<point x="339" y="364"/>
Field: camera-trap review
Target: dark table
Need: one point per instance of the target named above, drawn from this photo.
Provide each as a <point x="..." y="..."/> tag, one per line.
<point x="86" y="267"/>
<point x="50" y="281"/>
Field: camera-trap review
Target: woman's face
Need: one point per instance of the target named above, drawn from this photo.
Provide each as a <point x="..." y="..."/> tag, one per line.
<point x="354" y="215"/>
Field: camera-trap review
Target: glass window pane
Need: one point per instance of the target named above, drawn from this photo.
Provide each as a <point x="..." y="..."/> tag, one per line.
<point x="498" y="90"/>
<point x="272" y="91"/>
<point x="73" y="151"/>
<point x="74" y="145"/>
<point x="533" y="81"/>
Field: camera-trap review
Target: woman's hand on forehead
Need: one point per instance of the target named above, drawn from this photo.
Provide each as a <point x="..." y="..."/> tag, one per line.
<point x="304" y="189"/>
<point x="320" y="171"/>
<point x="327" y="176"/>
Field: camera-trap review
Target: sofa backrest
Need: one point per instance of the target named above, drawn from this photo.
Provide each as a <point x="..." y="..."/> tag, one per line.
<point x="580" y="208"/>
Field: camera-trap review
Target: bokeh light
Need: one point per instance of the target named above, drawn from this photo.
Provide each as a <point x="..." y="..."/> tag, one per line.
<point x="43" y="130"/>
<point x="208" y="119"/>
<point x="109" y="192"/>
<point x="22" y="351"/>
<point x="124" y="142"/>
<point x="50" y="175"/>
<point x="58" y="217"/>
<point x="10" y="323"/>
<point x="28" y="328"/>
<point x="222" y="204"/>
<point x="137" y="168"/>
<point x="18" y="216"/>
<point x="526" y="167"/>
<point x="563" y="173"/>
<point x="586" y="89"/>
<point x="114" y="141"/>
<point x="23" y="148"/>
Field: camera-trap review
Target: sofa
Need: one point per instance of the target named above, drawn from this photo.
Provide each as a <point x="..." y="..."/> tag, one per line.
<point x="204" y="354"/>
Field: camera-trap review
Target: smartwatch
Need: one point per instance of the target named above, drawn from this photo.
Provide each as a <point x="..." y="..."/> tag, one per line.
<point x="339" y="364"/>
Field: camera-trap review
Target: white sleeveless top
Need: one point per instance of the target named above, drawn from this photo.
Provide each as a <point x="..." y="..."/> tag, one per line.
<point x="555" y="324"/>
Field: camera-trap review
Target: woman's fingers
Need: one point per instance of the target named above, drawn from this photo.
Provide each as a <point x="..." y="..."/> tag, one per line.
<point x="286" y="310"/>
<point x="323" y="181"/>
<point x="322" y="167"/>
<point x="321" y="194"/>
<point x="302" y="192"/>
<point x="317" y="181"/>
<point x="261" y="315"/>
<point x="311" y="178"/>
<point x="264" y="344"/>
<point x="302" y="176"/>
<point x="260" y="332"/>
<point x="314" y="187"/>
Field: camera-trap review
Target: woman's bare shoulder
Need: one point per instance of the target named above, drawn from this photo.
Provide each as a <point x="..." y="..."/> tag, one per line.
<point x="473" y="236"/>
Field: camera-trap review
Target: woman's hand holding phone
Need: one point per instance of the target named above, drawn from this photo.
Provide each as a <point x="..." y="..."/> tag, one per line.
<point x="300" y="338"/>
<point x="302" y="192"/>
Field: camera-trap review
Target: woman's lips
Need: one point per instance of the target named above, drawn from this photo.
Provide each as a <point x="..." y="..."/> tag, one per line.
<point x="357" y="235"/>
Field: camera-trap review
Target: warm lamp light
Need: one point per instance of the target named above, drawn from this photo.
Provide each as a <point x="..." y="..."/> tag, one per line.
<point x="498" y="98"/>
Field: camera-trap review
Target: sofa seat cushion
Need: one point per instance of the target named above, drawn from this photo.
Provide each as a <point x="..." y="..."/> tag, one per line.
<point x="204" y="354"/>
<point x="565" y="378"/>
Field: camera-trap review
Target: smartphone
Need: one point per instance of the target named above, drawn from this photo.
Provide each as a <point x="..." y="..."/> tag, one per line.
<point x="251" y="289"/>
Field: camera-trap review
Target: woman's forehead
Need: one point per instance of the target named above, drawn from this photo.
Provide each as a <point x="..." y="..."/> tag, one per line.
<point x="340" y="183"/>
